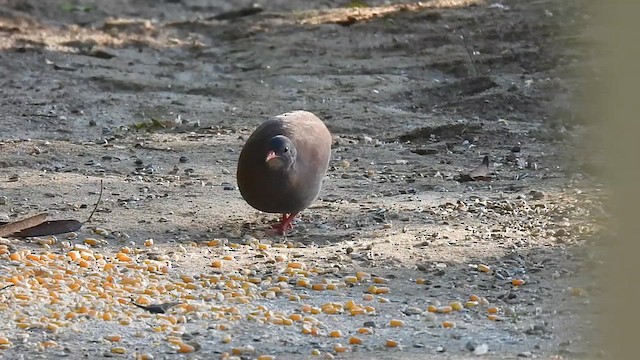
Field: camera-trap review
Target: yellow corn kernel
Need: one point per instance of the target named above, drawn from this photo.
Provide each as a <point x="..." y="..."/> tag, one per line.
<point x="456" y="306"/>
<point x="350" y="279"/>
<point x="396" y="323"/>
<point x="339" y="348"/>
<point x="471" y="304"/>
<point x="350" y="305"/>
<point x="113" y="338"/>
<point x="266" y="357"/>
<point x="517" y="282"/>
<point x="355" y="341"/>
<point x="295" y="265"/>
<point x="315" y="352"/>
<point x="361" y="275"/>
<point x="185" y="348"/>
<point x="335" y="334"/>
<point x="474" y="297"/>
<point x="73" y="255"/>
<point x="357" y="311"/>
<point x="445" y="309"/>
<point x="148" y="242"/>
<point x="123" y="257"/>
<point x="48" y="344"/>
<point x="213" y="242"/>
<point x="331" y="310"/>
<point x="493" y="317"/>
<point x="484" y="268"/>
<point x="296" y="317"/>
<point x="4" y="341"/>
<point x="368" y="297"/>
<point x="91" y="242"/>
<point x="448" y="324"/>
<point x="493" y="310"/>
<point x="319" y="287"/>
<point x="118" y="350"/>
<point x="227" y="257"/>
<point x="391" y="343"/>
<point x="365" y="331"/>
<point x="382" y="290"/>
<point x="421" y="281"/>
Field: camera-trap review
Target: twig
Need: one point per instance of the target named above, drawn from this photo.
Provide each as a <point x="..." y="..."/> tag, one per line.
<point x="97" y="203"/>
<point x="5" y="287"/>
<point x="473" y="62"/>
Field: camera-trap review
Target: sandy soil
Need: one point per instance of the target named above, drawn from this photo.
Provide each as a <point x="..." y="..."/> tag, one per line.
<point x="155" y="98"/>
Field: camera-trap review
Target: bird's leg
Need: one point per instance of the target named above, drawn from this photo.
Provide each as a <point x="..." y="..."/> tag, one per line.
<point x="285" y="223"/>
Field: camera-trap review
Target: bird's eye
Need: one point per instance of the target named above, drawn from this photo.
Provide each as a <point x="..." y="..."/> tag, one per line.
<point x="286" y="149"/>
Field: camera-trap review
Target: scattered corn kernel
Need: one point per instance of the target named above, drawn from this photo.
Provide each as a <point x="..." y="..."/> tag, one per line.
<point x="118" y="350"/>
<point x="396" y="323"/>
<point x="339" y="348"/>
<point x="456" y="306"/>
<point x="471" y="304"/>
<point x="484" y="268"/>
<point x="517" y="282"/>
<point x="391" y="343"/>
<point x="185" y="348"/>
<point x="492" y="310"/>
<point x="448" y="324"/>
<point x="335" y="334"/>
<point x="113" y="338"/>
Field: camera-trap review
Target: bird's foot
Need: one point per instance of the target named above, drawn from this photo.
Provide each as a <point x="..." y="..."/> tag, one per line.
<point x="285" y="224"/>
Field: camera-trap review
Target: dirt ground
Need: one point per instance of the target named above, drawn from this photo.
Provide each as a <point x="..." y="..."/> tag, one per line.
<point x="155" y="99"/>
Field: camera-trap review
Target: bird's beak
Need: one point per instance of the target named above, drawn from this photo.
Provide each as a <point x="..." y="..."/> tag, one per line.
<point x="271" y="155"/>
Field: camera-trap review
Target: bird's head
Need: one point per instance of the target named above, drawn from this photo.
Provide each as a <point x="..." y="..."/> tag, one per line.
<point x="281" y="153"/>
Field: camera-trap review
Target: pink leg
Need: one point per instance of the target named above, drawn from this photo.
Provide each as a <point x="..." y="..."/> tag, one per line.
<point x="285" y="224"/>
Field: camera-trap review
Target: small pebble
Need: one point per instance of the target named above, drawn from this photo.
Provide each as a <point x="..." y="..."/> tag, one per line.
<point x="481" y="349"/>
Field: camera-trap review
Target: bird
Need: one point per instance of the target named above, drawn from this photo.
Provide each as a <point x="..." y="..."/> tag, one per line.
<point x="283" y="163"/>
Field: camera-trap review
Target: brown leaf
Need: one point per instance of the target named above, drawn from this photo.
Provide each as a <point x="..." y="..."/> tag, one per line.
<point x="53" y="227"/>
<point x="17" y="226"/>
